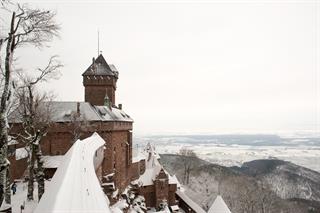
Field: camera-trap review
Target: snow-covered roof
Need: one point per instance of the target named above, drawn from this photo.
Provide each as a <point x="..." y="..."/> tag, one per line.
<point x="62" y="112"/>
<point x="174" y="180"/>
<point x="112" y="115"/>
<point x="75" y="186"/>
<point x="21" y="153"/>
<point x="12" y="141"/>
<point x="153" y="168"/>
<point x="53" y="161"/>
<point x="219" y="206"/>
<point x="175" y="208"/>
<point x="190" y="202"/>
<point x="100" y="67"/>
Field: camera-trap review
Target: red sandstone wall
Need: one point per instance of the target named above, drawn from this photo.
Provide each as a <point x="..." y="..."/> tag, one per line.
<point x="17" y="167"/>
<point x="134" y="171"/>
<point x="96" y="88"/>
<point x="149" y="194"/>
<point x="96" y="94"/>
<point x="117" y="157"/>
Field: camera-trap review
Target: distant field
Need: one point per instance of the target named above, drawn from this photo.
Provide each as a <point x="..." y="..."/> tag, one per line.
<point x="231" y="150"/>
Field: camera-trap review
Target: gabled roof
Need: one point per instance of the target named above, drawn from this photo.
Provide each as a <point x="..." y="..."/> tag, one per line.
<point x="100" y="67"/>
<point x="219" y="206"/>
<point x="195" y="207"/>
<point x="153" y="168"/>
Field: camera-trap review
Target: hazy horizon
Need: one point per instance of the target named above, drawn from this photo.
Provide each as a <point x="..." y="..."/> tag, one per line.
<point x="195" y="67"/>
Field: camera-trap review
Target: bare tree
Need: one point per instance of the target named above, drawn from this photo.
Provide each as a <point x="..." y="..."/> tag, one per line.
<point x="26" y="26"/>
<point x="78" y="124"/>
<point x="35" y="112"/>
<point x="188" y="159"/>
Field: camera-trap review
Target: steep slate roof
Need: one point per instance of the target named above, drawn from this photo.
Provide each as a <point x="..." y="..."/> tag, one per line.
<point x="219" y="206"/>
<point x="101" y="67"/>
<point x="189" y="202"/>
<point x="61" y="112"/>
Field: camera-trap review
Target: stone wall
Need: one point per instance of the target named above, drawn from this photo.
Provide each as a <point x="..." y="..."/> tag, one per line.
<point x="118" y="154"/>
<point x="153" y="198"/>
<point x="96" y="88"/>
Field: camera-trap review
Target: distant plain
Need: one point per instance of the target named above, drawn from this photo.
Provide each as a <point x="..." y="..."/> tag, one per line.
<point x="235" y="149"/>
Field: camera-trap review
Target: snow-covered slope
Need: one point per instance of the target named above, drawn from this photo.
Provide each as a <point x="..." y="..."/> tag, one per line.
<point x="75" y="186"/>
<point x="240" y="191"/>
<point x="286" y="179"/>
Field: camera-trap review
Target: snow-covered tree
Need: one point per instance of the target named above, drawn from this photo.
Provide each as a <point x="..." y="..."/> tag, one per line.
<point x="138" y="205"/>
<point x="35" y="112"/>
<point x="26" y="26"/>
<point x="163" y="206"/>
<point x="78" y="124"/>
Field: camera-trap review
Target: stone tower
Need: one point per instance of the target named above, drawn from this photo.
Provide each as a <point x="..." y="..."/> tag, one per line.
<point x="99" y="81"/>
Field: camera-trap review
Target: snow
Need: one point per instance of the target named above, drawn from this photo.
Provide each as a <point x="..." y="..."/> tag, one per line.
<point x="190" y="202"/>
<point x="219" y="206"/>
<point x="21" y="153"/>
<point x="116" y="210"/>
<point x="20" y="198"/>
<point x="219" y="152"/>
<point x="113" y="114"/>
<point x="109" y="175"/>
<point x="75" y="186"/>
<point x="115" y="193"/>
<point x="62" y="110"/>
<point x="12" y="141"/>
<point x="121" y="204"/>
<point x="138" y="205"/>
<point x="174" y="180"/>
<point x="153" y="168"/>
<point x="175" y="208"/>
<point x="52" y="161"/>
<point x="108" y="184"/>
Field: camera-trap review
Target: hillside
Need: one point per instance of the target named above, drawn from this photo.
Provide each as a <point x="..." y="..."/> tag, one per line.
<point x="241" y="191"/>
<point x="286" y="179"/>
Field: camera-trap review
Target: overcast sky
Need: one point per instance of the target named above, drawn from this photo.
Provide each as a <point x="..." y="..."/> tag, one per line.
<point x="195" y="66"/>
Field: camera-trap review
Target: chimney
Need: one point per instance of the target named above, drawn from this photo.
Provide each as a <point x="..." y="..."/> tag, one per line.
<point x="120" y="106"/>
<point x="93" y="64"/>
<point x="78" y="108"/>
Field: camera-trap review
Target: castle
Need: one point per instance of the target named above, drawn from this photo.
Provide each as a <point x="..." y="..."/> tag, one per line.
<point x="98" y="113"/>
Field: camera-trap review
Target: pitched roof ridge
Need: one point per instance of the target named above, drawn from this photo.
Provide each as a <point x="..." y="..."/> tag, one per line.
<point x="219" y="206"/>
<point x="69" y="101"/>
<point x="102" y="60"/>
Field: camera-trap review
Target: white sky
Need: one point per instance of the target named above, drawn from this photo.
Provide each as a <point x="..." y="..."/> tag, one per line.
<point x="196" y="66"/>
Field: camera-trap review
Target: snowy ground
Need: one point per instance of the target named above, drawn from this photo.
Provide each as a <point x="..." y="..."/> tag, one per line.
<point x="303" y="152"/>
<point x="20" y="198"/>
